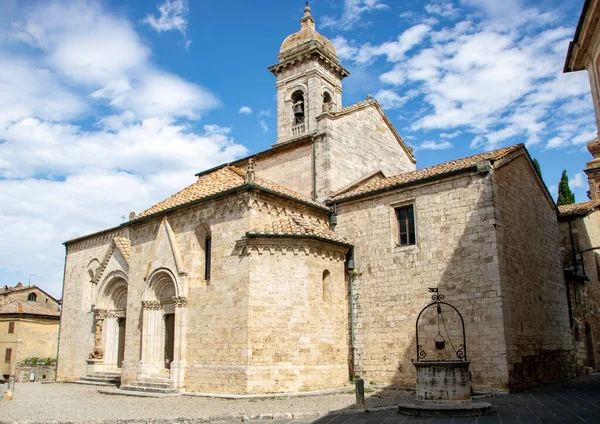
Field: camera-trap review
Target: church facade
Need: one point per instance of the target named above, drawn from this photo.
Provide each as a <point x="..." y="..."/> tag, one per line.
<point x="308" y="263"/>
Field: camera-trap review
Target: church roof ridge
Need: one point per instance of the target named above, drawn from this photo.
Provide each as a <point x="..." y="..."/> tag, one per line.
<point x="435" y="171"/>
<point x="222" y="181"/>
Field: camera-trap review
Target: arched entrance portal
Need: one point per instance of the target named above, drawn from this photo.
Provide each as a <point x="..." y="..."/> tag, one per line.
<point x="111" y="316"/>
<point x="162" y="323"/>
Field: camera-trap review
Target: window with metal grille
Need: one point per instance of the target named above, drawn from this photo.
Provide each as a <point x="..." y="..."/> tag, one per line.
<point x="8" y="355"/>
<point x="11" y="327"/>
<point x="406" y="225"/>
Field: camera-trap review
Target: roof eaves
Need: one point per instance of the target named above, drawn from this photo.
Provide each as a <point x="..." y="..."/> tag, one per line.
<point x="97" y="233"/>
<point x="298" y="236"/>
<point x="407" y="184"/>
<point x="586" y="5"/>
<point x="258" y="187"/>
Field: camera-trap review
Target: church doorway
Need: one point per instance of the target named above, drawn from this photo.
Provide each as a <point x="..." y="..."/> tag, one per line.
<point x="589" y="346"/>
<point x="110" y="313"/>
<point x="169" y="339"/>
<point x="121" y="343"/>
<point x="159" y="325"/>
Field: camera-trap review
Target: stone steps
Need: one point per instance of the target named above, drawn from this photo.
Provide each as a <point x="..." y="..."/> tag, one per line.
<point x="102" y="379"/>
<point x="151" y="384"/>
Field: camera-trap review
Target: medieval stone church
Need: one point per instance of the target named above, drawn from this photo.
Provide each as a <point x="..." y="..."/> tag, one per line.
<point x="308" y="263"/>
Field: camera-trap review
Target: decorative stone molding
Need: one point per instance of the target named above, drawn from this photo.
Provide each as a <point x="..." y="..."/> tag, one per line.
<point x="153" y="305"/>
<point x="115" y="313"/>
<point x="180" y="301"/>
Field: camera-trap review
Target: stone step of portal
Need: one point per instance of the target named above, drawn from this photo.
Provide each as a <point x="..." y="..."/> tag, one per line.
<point x="152" y="384"/>
<point x="106" y="378"/>
<point x="141" y="386"/>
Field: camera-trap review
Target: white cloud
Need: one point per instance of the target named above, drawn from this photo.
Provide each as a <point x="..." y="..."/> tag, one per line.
<point x="263" y="125"/>
<point x="173" y="17"/>
<point x="577" y="181"/>
<point x="435" y="145"/>
<point x="444" y="9"/>
<point x="451" y="135"/>
<point x="343" y="49"/>
<point x="262" y="113"/>
<point x="389" y="99"/>
<point x="352" y="13"/>
<point x="61" y="177"/>
<point x="245" y="110"/>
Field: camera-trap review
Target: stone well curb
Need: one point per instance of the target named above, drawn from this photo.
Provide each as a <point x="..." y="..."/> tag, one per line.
<point x="216" y="418"/>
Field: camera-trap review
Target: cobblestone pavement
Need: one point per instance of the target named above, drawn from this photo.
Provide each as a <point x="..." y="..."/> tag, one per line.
<point x="574" y="401"/>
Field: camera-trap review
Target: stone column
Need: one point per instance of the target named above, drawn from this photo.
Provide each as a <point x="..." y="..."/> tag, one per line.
<point x="151" y="336"/>
<point x="179" y="362"/>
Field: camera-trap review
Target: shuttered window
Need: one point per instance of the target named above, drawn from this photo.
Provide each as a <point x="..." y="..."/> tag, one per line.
<point x="8" y="355"/>
<point x="11" y="327"/>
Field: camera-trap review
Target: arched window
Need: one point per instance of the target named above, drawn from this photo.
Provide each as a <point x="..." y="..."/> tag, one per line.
<point x="32" y="297"/>
<point x="326" y="102"/>
<point x="298" y="107"/>
<point x="326" y="287"/>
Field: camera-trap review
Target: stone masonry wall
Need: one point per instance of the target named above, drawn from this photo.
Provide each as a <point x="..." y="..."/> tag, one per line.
<point x="456" y="249"/>
<point x="297" y="315"/>
<point x="536" y="322"/>
<point x="584" y="296"/>
<point x="356" y="145"/>
<point x="76" y="335"/>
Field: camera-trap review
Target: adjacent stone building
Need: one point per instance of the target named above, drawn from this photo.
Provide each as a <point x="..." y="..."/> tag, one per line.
<point x="306" y="264"/>
<point x="29" y="321"/>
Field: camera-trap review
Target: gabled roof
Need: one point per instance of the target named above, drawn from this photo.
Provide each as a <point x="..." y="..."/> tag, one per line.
<point x="27" y="308"/>
<point x="5" y="291"/>
<point x="293" y="226"/>
<point x="424" y="174"/>
<point x="222" y="181"/>
<point x="578" y="209"/>
<point x="336" y="114"/>
<point x="124" y="245"/>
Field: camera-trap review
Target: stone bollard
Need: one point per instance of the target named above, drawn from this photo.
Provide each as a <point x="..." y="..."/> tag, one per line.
<point x="359" y="383"/>
<point x="11" y="388"/>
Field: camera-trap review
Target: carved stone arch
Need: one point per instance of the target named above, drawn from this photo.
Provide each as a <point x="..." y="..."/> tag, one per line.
<point x="162" y="284"/>
<point x="92" y="268"/>
<point x="290" y="250"/>
<point x="112" y="291"/>
<point x="296" y="87"/>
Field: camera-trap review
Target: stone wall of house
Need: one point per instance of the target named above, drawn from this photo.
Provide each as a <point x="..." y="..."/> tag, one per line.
<point x="584" y="295"/>
<point x="539" y="347"/>
<point x="456" y="250"/>
<point x="22" y="295"/>
<point x="297" y="315"/>
<point x="357" y="144"/>
<point x="42" y="372"/>
<point x="77" y="318"/>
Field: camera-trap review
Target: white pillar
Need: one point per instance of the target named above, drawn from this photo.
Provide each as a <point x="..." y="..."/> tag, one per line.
<point x="179" y="362"/>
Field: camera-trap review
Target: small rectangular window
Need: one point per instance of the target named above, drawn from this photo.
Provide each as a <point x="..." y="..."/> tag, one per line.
<point x="8" y="355"/>
<point x="406" y="225"/>
<point x="11" y="327"/>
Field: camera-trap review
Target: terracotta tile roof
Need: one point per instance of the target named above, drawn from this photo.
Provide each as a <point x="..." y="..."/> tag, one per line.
<point x="578" y="209"/>
<point x="296" y="226"/>
<point x="425" y="173"/>
<point x="29" y="308"/>
<point x="124" y="245"/>
<point x="219" y="181"/>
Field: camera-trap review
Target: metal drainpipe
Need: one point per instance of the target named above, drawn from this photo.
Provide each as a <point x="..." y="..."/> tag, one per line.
<point x="314" y="167"/>
<point x="351" y="274"/>
<point x="573" y="247"/>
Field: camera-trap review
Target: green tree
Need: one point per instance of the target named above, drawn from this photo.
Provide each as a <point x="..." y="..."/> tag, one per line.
<point x="565" y="195"/>
<point x="536" y="164"/>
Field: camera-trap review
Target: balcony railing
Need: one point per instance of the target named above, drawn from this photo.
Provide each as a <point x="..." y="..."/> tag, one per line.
<point x="298" y="129"/>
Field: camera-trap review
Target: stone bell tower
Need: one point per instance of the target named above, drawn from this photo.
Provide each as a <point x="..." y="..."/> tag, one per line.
<point x="309" y="80"/>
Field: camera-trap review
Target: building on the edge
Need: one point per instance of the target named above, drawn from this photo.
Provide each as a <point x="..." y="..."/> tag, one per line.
<point x="580" y="223"/>
<point x="29" y="321"/>
<point x="307" y="263"/>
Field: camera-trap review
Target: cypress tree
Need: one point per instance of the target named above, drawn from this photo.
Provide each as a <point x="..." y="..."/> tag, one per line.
<point x="536" y="164"/>
<point x="565" y="195"/>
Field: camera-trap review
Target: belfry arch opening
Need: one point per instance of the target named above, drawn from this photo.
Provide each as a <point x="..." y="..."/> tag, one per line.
<point x="298" y="107"/>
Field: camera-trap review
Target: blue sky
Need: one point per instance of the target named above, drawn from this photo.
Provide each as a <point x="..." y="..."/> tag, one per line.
<point x="107" y="107"/>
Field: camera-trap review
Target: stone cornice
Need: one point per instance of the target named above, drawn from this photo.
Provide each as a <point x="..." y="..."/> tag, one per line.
<point x="310" y="54"/>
